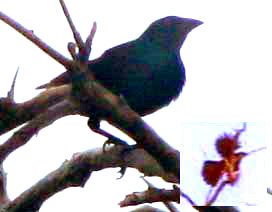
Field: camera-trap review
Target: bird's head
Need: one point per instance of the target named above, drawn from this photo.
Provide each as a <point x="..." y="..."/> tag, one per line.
<point x="169" y="32"/>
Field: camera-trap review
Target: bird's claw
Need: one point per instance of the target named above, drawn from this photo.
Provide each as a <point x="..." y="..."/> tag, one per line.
<point x="114" y="140"/>
<point x="122" y="171"/>
<point x="94" y="124"/>
<point x="124" y="152"/>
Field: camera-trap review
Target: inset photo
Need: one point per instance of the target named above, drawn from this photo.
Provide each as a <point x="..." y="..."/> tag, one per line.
<point x="223" y="164"/>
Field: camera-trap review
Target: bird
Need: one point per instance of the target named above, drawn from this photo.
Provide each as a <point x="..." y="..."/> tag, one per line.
<point x="147" y="72"/>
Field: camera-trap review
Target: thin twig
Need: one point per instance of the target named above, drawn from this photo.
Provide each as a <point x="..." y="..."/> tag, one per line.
<point x="187" y="198"/>
<point x="238" y="132"/>
<point x="76" y="34"/>
<point x="11" y="92"/>
<point x="89" y="39"/>
<point x="218" y="190"/>
<point x="72" y="50"/>
<point x="256" y="150"/>
<point x="36" y="40"/>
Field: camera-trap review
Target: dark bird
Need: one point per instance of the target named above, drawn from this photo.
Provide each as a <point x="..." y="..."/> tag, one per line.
<point x="147" y="72"/>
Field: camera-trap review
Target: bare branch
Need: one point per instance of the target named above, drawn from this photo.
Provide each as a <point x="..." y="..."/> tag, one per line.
<point x="72" y="49"/>
<point x="256" y="150"/>
<point x="74" y="172"/>
<point x="187" y="198"/>
<point x="89" y="39"/>
<point x="217" y="192"/>
<point x="167" y="204"/>
<point x="37" y="41"/>
<point x="11" y="92"/>
<point x="14" y="115"/>
<point x="23" y="135"/>
<point x="76" y="34"/>
<point x="150" y="196"/>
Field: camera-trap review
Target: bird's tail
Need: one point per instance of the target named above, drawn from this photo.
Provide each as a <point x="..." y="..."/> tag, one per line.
<point x="65" y="77"/>
<point x="62" y="79"/>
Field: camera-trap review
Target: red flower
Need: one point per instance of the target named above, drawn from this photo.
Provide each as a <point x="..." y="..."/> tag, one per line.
<point x="213" y="170"/>
<point x="226" y="145"/>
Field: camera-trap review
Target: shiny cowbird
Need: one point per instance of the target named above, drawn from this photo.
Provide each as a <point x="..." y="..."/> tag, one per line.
<point x="147" y="72"/>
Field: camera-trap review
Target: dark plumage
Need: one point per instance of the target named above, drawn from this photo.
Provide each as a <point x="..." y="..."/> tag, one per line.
<point x="147" y="72"/>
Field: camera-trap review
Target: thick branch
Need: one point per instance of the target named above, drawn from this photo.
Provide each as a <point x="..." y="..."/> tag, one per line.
<point x="13" y="115"/>
<point x="23" y="135"/>
<point x="3" y="189"/>
<point x="74" y="172"/>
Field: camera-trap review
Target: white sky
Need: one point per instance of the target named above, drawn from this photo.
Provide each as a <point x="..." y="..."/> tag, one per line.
<point x="228" y="66"/>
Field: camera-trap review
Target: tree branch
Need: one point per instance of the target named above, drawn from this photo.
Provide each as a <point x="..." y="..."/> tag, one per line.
<point x="23" y="135"/>
<point x="13" y="115"/>
<point x="77" y="37"/>
<point x="72" y="173"/>
<point x="152" y="195"/>
<point x="217" y="192"/>
<point x="36" y="40"/>
<point x="3" y="187"/>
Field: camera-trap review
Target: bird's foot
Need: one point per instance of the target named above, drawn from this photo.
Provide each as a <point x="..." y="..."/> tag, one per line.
<point x="94" y="124"/>
<point x="114" y="140"/>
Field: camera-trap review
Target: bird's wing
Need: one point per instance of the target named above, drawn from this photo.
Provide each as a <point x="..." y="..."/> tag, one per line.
<point x="119" y="53"/>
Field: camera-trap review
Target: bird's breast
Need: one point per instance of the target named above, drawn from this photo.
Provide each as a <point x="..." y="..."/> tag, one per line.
<point x="147" y="81"/>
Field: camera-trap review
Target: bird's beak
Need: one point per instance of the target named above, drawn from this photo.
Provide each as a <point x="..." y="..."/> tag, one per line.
<point x="195" y="23"/>
<point x="189" y="24"/>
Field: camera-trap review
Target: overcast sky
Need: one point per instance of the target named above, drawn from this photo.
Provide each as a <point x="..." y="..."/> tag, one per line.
<point x="228" y="68"/>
